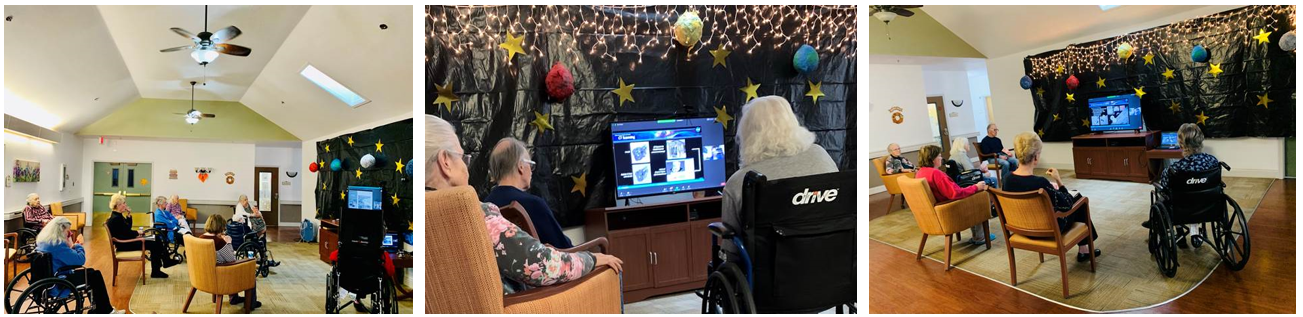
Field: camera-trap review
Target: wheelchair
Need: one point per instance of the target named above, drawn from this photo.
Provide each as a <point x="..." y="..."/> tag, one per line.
<point x="250" y="245"/>
<point x="359" y="266"/>
<point x="25" y="245"/>
<point x="795" y="249"/>
<point x="40" y="290"/>
<point x="171" y="240"/>
<point x="1197" y="198"/>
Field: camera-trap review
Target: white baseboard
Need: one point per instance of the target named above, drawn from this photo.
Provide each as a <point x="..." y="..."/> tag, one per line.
<point x="877" y="189"/>
<point x="1234" y="172"/>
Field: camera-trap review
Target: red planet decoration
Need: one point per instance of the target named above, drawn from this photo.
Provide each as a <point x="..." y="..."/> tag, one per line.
<point x="313" y="167"/>
<point x="560" y="84"/>
<point x="1072" y="82"/>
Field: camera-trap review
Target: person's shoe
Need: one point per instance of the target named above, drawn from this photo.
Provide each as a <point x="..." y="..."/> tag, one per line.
<point x="274" y="264"/>
<point x="170" y="263"/>
<point x="236" y="300"/>
<point x="1083" y="257"/>
<point x="1197" y="240"/>
<point x="158" y="274"/>
<point x="357" y="304"/>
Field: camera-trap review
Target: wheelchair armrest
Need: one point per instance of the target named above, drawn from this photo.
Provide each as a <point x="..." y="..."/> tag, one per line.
<point x="722" y="230"/>
<point x="600" y="243"/>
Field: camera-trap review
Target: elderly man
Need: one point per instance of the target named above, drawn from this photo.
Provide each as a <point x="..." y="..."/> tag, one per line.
<point x="1004" y="156"/>
<point x="511" y="168"/>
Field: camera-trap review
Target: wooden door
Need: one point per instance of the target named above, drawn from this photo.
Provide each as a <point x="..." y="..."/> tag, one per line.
<point x="701" y="248"/>
<point x="266" y="193"/>
<point x="631" y="247"/>
<point x="937" y="107"/>
<point x="670" y="254"/>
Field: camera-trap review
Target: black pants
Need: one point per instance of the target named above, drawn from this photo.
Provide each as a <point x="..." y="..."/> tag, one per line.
<point x="157" y="252"/>
<point x="99" y="294"/>
<point x="1079" y="216"/>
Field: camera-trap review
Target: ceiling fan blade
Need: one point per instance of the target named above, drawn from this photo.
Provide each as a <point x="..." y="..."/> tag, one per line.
<point x="903" y="12"/>
<point x="209" y="115"/>
<point x="910" y="6"/>
<point x="232" y="49"/>
<point x="227" y="34"/>
<point x="184" y="33"/>
<point x="178" y="48"/>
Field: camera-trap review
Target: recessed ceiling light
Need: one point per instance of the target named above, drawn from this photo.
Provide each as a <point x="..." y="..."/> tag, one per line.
<point x="1106" y="7"/>
<point x="333" y="87"/>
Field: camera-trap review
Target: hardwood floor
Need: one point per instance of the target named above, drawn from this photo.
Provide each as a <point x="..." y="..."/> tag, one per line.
<point x="901" y="284"/>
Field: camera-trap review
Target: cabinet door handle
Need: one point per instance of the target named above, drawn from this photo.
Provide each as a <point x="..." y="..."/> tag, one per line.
<point x="1126" y="162"/>
<point x="650" y="258"/>
<point x="1088" y="161"/>
<point x="656" y="258"/>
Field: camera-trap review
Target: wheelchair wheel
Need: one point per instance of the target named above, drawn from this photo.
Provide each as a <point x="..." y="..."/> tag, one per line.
<point x="1232" y="238"/>
<point x="746" y="305"/>
<point x="720" y="298"/>
<point x="332" y="292"/>
<point x="1162" y="240"/>
<point x="384" y="300"/>
<point x="15" y="288"/>
<point x="26" y="246"/>
<point x="44" y="298"/>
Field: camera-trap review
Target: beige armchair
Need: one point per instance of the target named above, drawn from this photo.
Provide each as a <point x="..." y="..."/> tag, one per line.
<point x="217" y="279"/>
<point x="462" y="273"/>
<point x="78" y="219"/>
<point x="890" y="180"/>
<point x="947" y="218"/>
<point x="1028" y="220"/>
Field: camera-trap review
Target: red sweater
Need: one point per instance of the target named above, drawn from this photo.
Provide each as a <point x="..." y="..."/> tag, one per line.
<point x="944" y="188"/>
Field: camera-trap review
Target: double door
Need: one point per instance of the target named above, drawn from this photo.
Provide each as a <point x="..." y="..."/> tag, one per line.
<point x="131" y="180"/>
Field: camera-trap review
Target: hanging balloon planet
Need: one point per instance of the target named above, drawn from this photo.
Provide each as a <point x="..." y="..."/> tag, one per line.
<point x="367" y="161"/>
<point x="560" y="83"/>
<point x="1287" y="41"/>
<point x="313" y="167"/>
<point x="806" y="59"/>
<point x="687" y="29"/>
<point x="336" y="165"/>
<point x="1125" y="50"/>
<point x="1199" y="54"/>
<point x="408" y="168"/>
<point x="1072" y="82"/>
<point x="1025" y="82"/>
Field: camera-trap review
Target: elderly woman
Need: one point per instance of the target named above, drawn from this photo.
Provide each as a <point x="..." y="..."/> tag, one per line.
<point x="896" y="163"/>
<point x="252" y="217"/>
<point x="944" y="188"/>
<point x="119" y="224"/>
<point x="35" y="215"/>
<point x="214" y="229"/>
<point x="162" y="215"/>
<point x="1027" y="147"/>
<point x="174" y="207"/>
<point x="1190" y="138"/>
<point x="515" y="250"/>
<point x="771" y="142"/>
<point x="959" y="153"/>
<point x="65" y="250"/>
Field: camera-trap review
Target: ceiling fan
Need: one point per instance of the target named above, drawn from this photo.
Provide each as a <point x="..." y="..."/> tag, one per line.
<point x="208" y="45"/>
<point x="887" y="13"/>
<point x="193" y="116"/>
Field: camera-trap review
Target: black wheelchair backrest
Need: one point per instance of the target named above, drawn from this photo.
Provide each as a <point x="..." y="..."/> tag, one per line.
<point x="1194" y="194"/>
<point x="800" y="235"/>
<point x="42" y="265"/>
<point x="360" y="237"/>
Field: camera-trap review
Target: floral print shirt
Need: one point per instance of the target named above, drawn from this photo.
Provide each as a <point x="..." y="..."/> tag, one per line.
<point x="37" y="214"/>
<point x="524" y="262"/>
<point x="175" y="210"/>
<point x="897" y="164"/>
<point x="1192" y="163"/>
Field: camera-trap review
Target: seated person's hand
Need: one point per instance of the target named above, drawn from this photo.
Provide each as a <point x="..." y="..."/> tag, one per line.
<point x="984" y="168"/>
<point x="907" y="170"/>
<point x="981" y="186"/>
<point x="1053" y="173"/>
<point x="226" y="238"/>
<point x="609" y="260"/>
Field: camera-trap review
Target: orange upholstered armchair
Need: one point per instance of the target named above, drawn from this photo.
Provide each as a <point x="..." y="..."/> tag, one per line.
<point x="78" y="219"/>
<point x="189" y="212"/>
<point x="462" y="272"/>
<point x="217" y="279"/>
<point x="890" y="181"/>
<point x="947" y="218"/>
<point x="1028" y="220"/>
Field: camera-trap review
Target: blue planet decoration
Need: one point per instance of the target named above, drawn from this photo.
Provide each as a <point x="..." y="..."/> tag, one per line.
<point x="806" y="59"/>
<point x="1199" y="54"/>
<point x="408" y="168"/>
<point x="336" y="165"/>
<point x="1025" y="82"/>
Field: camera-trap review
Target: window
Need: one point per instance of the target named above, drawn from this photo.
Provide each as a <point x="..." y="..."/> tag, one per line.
<point x="1106" y="7"/>
<point x="131" y="178"/>
<point x="333" y="87"/>
<point x="115" y="178"/>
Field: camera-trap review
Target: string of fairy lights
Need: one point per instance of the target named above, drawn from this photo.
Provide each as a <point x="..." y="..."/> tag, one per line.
<point x="604" y="31"/>
<point x="1216" y="30"/>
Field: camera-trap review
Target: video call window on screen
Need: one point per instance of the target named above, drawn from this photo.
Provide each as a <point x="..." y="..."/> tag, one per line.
<point x="667" y="156"/>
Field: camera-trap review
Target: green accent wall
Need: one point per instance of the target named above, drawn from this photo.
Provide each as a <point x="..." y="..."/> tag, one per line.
<point x="159" y="118"/>
<point x="919" y="35"/>
<point x="1290" y="155"/>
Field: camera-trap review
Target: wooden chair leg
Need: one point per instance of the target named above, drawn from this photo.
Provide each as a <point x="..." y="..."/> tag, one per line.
<point x="1092" y="254"/>
<point x="115" y="272"/>
<point x="187" y="300"/>
<point x="1042" y="255"/>
<point x="221" y="300"/>
<point x="891" y="203"/>
<point x="1013" y="266"/>
<point x="959" y="236"/>
<point x="1063" y="267"/>
<point x="948" y="241"/>
<point x="142" y="273"/>
<point x="249" y="296"/>
<point x="986" y="227"/>
<point x="921" y="243"/>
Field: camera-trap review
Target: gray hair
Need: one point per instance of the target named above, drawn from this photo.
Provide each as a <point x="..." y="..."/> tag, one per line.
<point x="55" y="232"/>
<point x="1191" y="139"/>
<point x="989" y="126"/>
<point x="160" y="200"/>
<point x="768" y="129"/>
<point x="506" y="156"/>
<point x="439" y="137"/>
<point x="1027" y="146"/>
<point x="32" y="198"/>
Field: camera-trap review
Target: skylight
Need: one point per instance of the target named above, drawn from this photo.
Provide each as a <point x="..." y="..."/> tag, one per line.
<point x="333" y="87"/>
<point x="1106" y="7"/>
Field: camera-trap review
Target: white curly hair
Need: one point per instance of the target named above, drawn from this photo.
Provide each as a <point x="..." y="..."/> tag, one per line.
<point x="768" y="129"/>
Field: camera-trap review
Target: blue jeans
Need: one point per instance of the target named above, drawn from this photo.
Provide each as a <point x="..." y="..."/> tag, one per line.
<point x="990" y="181"/>
<point x="1007" y="166"/>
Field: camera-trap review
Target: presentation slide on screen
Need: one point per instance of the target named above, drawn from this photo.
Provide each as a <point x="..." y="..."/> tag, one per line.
<point x="670" y="159"/>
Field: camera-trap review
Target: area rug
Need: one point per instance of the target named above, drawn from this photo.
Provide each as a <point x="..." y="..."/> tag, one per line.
<point x="297" y="286"/>
<point x="1126" y="276"/>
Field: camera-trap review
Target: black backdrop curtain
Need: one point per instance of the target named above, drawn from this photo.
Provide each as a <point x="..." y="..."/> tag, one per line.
<point x="499" y="100"/>
<point x="1230" y="100"/>
<point x="395" y="141"/>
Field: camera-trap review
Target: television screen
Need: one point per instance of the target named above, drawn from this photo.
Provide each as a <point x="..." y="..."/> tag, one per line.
<point x="365" y="198"/>
<point x="667" y="156"/>
<point x="1121" y="112"/>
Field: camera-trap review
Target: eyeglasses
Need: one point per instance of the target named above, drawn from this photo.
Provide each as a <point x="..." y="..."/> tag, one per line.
<point x="466" y="158"/>
<point x="531" y="163"/>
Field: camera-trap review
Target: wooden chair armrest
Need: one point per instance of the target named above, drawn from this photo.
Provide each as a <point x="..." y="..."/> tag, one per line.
<point x="600" y="243"/>
<point x="241" y="261"/>
<point x="1076" y="206"/>
<point x="538" y="293"/>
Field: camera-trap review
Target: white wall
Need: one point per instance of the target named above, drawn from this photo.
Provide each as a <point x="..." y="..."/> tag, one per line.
<point x="287" y="159"/>
<point x="184" y="157"/>
<point x="309" y="155"/>
<point x="952" y="85"/>
<point x="897" y="86"/>
<point x="1248" y="157"/>
<point x="979" y="86"/>
<point x="50" y="156"/>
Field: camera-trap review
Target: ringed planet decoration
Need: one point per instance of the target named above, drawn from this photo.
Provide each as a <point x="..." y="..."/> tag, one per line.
<point x="687" y="29"/>
<point x="1198" y="54"/>
<point x="560" y="83"/>
<point x="806" y="59"/>
<point x="1025" y="82"/>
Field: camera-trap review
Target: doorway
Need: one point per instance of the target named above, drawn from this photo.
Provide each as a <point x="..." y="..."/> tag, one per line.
<point x="267" y="196"/>
<point x="132" y="180"/>
<point x="936" y="112"/>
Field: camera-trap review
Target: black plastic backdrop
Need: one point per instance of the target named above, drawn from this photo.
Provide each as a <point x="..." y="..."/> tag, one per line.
<point x="1229" y="100"/>
<point x="498" y="100"/>
<point x="397" y="145"/>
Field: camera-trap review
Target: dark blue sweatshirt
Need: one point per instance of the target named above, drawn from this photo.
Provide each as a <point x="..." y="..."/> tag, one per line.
<point x="549" y="231"/>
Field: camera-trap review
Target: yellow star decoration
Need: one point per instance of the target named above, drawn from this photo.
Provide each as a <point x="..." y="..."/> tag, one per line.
<point x="721" y="116"/>
<point x="815" y="91"/>
<point x="395" y="198"/>
<point x="625" y="92"/>
<point x="1140" y="92"/>
<point x="1059" y="70"/>
<point x="446" y="97"/>
<point x="1100" y="82"/>
<point x="1085" y="123"/>
<point x="1214" y="69"/>
<point x="342" y="195"/>
<point x="359" y="173"/>
<point x="1040" y="132"/>
<point x="1201" y="117"/>
<point x="350" y="141"/>
<point x="1071" y="98"/>
<point x="322" y="165"/>
<point x="540" y="121"/>
<point x="1263" y="100"/>
<point x="1040" y="91"/>
<point x="581" y="184"/>
<point x="1149" y="58"/>
<point x="379" y="146"/>
<point x="512" y="45"/>
<point x="1056" y="117"/>
<point x="1262" y="36"/>
<point x="1169" y="74"/>
<point x="323" y="186"/>
<point x="327" y="148"/>
<point x="750" y="89"/>
<point x="399" y="163"/>
<point x="1176" y="107"/>
<point x="720" y="55"/>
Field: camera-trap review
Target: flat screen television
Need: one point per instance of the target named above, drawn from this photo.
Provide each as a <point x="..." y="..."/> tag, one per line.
<point x="365" y="198"/>
<point x="1113" y="113"/>
<point x="667" y="156"/>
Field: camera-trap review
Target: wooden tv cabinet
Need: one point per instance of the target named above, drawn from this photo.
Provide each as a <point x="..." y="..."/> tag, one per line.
<point x="1114" y="156"/>
<point x="665" y="246"/>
